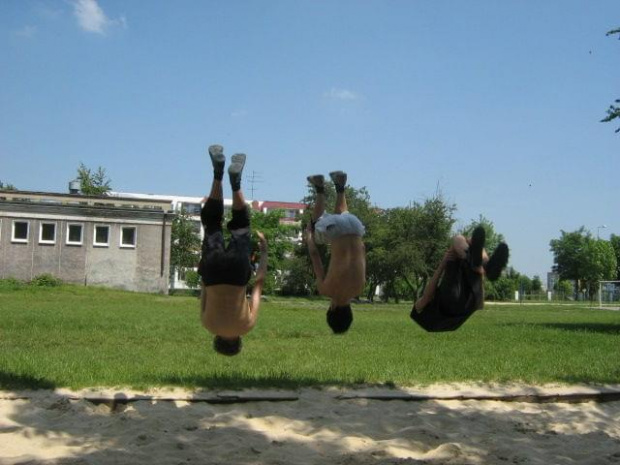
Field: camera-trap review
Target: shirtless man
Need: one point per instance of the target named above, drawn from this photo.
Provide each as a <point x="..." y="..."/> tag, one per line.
<point x="346" y="275"/>
<point x="226" y="270"/>
<point x="456" y="289"/>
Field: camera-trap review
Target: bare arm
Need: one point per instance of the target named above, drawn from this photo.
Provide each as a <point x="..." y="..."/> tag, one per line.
<point x="260" y="276"/>
<point x="315" y="257"/>
<point x="431" y="287"/>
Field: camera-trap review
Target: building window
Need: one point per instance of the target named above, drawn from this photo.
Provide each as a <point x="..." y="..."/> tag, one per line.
<point x="102" y="236"/>
<point x="74" y="234"/>
<point x="128" y="236"/>
<point x="20" y="231"/>
<point x="191" y="208"/>
<point x="47" y="233"/>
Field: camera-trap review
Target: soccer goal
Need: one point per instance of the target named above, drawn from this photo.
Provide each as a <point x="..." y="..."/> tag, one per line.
<point x="609" y="294"/>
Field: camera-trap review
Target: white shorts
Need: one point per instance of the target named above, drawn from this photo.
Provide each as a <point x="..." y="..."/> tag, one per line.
<point x="329" y="227"/>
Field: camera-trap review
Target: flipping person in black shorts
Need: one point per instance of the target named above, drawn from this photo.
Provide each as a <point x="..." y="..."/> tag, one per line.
<point x="226" y="269"/>
<point x="456" y="290"/>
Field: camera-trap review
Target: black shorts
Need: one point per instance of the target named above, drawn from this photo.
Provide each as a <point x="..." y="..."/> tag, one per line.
<point x="458" y="296"/>
<point x="221" y="263"/>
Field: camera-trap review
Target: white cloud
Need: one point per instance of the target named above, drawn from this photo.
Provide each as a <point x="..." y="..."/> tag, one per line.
<point x="342" y="94"/>
<point x="92" y="18"/>
<point x="27" y="32"/>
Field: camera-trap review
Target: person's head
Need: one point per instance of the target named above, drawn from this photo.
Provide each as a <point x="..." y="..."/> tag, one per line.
<point x="227" y="346"/>
<point x="339" y="318"/>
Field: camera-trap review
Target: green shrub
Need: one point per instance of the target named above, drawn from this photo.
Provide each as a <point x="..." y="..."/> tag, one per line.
<point x="192" y="279"/>
<point x="46" y="280"/>
<point x="11" y="284"/>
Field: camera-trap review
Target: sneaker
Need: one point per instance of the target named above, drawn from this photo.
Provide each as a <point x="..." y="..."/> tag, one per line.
<point x="237" y="162"/>
<point x="316" y="180"/>
<point x="475" y="248"/>
<point x="339" y="178"/>
<point x="216" y="152"/>
<point x="497" y="262"/>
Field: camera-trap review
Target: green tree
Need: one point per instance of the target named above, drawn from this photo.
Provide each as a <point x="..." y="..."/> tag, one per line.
<point x="281" y="239"/>
<point x="405" y="245"/>
<point x="583" y="259"/>
<point x="565" y="288"/>
<point x="568" y="254"/>
<point x="493" y="238"/>
<point x="93" y="183"/>
<point x="185" y="243"/>
<point x="613" y="111"/>
<point x="501" y="290"/>
<point x="7" y="187"/>
<point x="524" y="284"/>
<point x="536" y="284"/>
<point x="599" y="264"/>
<point x="615" y="243"/>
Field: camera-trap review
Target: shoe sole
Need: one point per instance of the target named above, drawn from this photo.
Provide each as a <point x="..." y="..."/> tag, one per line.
<point x="334" y="176"/>
<point x="316" y="176"/>
<point x="216" y="152"/>
<point x="497" y="262"/>
<point x="477" y="244"/>
<point x="237" y="162"/>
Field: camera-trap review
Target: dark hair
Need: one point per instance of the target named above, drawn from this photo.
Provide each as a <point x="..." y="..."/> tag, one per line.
<point x="339" y="318"/>
<point x="227" y="346"/>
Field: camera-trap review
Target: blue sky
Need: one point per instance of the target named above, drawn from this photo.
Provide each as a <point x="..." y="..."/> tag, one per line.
<point x="497" y="103"/>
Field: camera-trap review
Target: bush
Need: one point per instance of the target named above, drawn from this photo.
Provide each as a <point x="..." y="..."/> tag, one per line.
<point x="11" y="284"/>
<point x="46" y="280"/>
<point x="192" y="279"/>
<point x="297" y="278"/>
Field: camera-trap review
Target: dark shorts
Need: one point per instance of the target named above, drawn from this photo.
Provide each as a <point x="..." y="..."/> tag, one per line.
<point x="221" y="263"/>
<point x="458" y="296"/>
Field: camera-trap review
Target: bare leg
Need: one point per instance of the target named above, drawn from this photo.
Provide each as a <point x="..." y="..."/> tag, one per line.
<point x="460" y="245"/>
<point x="341" y="203"/>
<point x="458" y="250"/>
<point x="431" y="287"/>
<point x="461" y="248"/>
<point x="217" y="192"/>
<point x="319" y="206"/>
<point x="238" y="200"/>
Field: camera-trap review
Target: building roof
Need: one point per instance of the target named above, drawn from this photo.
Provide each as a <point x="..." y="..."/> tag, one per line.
<point x="271" y="204"/>
<point x="54" y="198"/>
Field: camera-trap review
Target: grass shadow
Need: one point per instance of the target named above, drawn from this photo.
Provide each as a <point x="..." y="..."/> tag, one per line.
<point x="16" y="381"/>
<point x="240" y="381"/>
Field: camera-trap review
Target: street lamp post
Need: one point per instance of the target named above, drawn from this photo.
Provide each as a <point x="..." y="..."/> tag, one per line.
<point x="598" y="228"/>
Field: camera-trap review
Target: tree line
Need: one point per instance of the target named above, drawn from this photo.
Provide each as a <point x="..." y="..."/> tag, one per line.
<point x="585" y="260"/>
<point x="404" y="245"/>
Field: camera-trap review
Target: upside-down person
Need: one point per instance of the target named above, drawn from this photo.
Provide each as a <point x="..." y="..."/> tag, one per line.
<point x="456" y="289"/>
<point x="226" y="269"/>
<point x="346" y="275"/>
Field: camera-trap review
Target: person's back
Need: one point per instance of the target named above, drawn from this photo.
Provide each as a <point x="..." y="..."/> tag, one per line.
<point x="237" y="318"/>
<point x="346" y="274"/>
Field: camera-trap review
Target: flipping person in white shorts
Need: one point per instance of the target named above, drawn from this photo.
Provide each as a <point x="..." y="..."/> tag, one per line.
<point x="346" y="275"/>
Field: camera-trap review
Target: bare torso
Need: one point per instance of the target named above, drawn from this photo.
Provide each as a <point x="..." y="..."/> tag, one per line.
<point x="346" y="275"/>
<point x="225" y="310"/>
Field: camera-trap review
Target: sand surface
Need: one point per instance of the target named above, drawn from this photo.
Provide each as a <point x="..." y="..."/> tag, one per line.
<point x="327" y="426"/>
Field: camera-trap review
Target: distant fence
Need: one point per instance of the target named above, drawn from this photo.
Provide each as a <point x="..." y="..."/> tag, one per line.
<point x="557" y="297"/>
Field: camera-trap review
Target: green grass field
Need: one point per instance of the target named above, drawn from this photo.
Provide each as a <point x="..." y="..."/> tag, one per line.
<point x="80" y="337"/>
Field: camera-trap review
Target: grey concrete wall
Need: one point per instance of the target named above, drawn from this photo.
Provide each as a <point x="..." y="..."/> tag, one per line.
<point x="142" y="268"/>
<point x="17" y="258"/>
